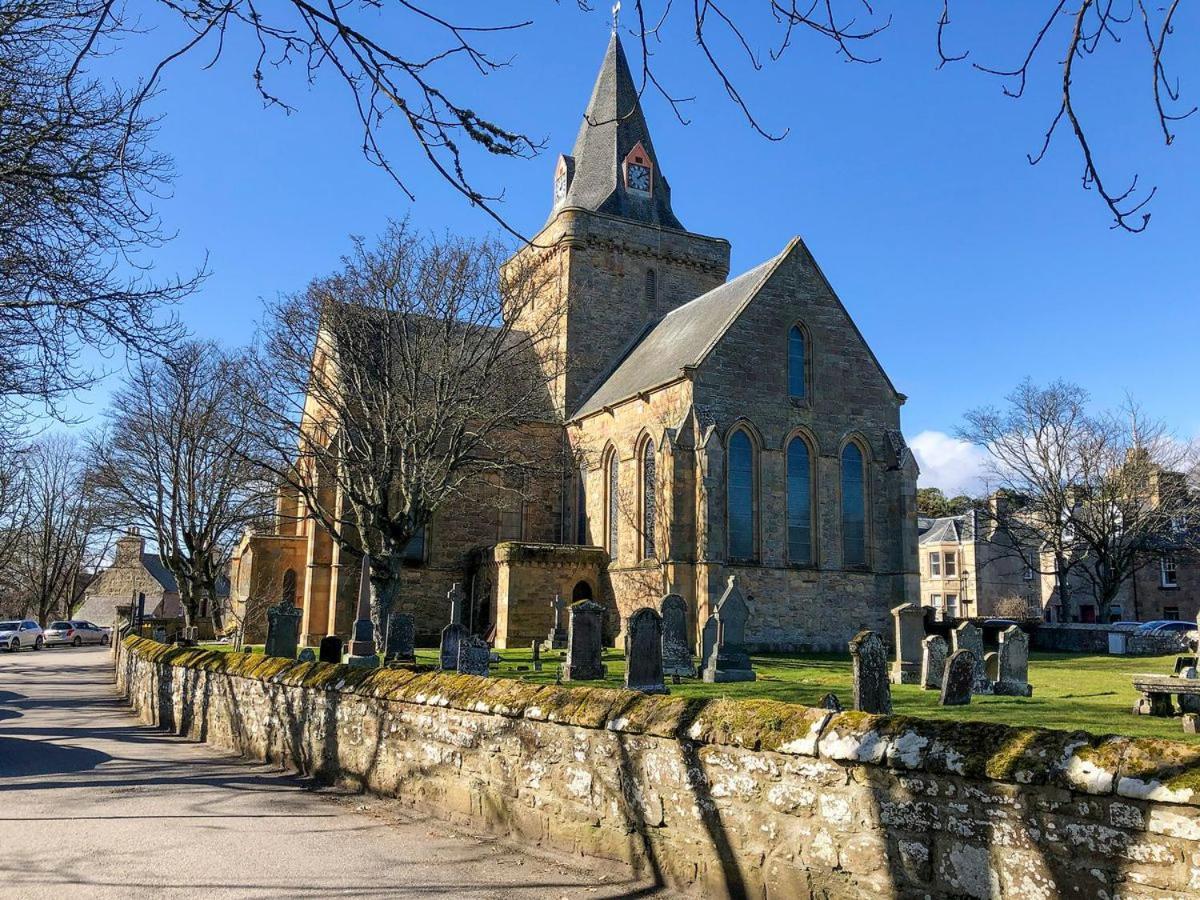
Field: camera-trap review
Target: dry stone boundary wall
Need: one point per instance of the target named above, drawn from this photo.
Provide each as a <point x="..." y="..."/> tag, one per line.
<point x="723" y="797"/>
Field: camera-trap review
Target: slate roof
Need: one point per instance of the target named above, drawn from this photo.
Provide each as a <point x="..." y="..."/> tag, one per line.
<point x="159" y="572"/>
<point x="612" y="126"/>
<point x="681" y="338"/>
<point x="947" y="530"/>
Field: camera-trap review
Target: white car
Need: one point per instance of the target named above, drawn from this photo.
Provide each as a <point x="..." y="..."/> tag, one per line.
<point x="74" y="633"/>
<point x="16" y="635"/>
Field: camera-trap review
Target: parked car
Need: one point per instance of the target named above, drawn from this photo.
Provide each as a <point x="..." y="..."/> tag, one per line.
<point x="1159" y="626"/>
<point x="16" y="635"/>
<point x="75" y="633"/>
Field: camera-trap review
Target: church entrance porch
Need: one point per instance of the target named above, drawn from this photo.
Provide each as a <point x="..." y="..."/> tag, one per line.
<point x="526" y="578"/>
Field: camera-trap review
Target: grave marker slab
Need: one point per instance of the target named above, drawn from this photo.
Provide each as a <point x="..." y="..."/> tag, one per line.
<point x="585" y="624"/>
<point x="908" y="622"/>
<point x="307" y="655"/>
<point x="872" y="690"/>
<point x="474" y="655"/>
<point x="968" y="637"/>
<point x="283" y="630"/>
<point x="933" y="662"/>
<point x="452" y="636"/>
<point x="330" y="650"/>
<point x="708" y="641"/>
<point x="958" y="679"/>
<point x="729" y="659"/>
<point x="401" y="636"/>
<point x="644" y="652"/>
<point x="676" y="649"/>
<point x="1012" y="678"/>
<point x="557" y="638"/>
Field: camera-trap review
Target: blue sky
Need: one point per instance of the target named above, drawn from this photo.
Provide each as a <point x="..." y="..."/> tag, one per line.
<point x="965" y="268"/>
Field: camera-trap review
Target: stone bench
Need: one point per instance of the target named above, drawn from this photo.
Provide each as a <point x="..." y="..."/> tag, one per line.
<point x="1156" y="693"/>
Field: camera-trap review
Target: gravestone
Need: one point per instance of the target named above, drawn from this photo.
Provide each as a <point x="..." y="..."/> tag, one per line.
<point x="872" y="690"/>
<point x="363" y="653"/>
<point x="1012" y="678"/>
<point x="909" y="630"/>
<point x="557" y="638"/>
<point x="160" y="634"/>
<point x="400" y="638"/>
<point x="968" y="637"/>
<point x="330" y="650"/>
<point x="676" y="651"/>
<point x="933" y="662"/>
<point x="729" y="659"/>
<point x="644" y="652"/>
<point x="307" y="655"/>
<point x="473" y="656"/>
<point x="454" y="633"/>
<point x="536" y="647"/>
<point x="283" y="630"/>
<point x="831" y="702"/>
<point x="708" y="641"/>
<point x="585" y="631"/>
<point x="991" y="667"/>
<point x="958" y="679"/>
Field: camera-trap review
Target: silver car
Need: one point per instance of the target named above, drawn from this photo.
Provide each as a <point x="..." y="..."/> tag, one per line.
<point x="75" y="633"/>
<point x="18" y="634"/>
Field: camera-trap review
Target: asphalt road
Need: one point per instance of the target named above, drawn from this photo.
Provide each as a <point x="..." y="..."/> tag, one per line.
<point x="95" y="804"/>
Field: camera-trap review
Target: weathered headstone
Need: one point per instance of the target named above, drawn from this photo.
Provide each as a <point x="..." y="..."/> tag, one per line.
<point x="1191" y="723"/>
<point x="958" y="679"/>
<point x="160" y="634"/>
<point x="872" y="691"/>
<point x="454" y="633"/>
<point x="676" y="650"/>
<point x="708" y="641"/>
<point x="908" y="622"/>
<point x="991" y="667"/>
<point x="644" y="652"/>
<point x="1012" y="677"/>
<point x="362" y="651"/>
<point x="585" y="632"/>
<point x="283" y="630"/>
<point x="401" y="638"/>
<point x="330" y="650"/>
<point x="933" y="662"/>
<point x="968" y="637"/>
<point x="557" y="638"/>
<point x="307" y="655"/>
<point x="473" y="656"/>
<point x="536" y="647"/>
<point x="729" y="660"/>
<point x="831" y="702"/>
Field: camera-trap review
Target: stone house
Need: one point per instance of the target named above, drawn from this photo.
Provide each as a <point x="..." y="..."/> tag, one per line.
<point x="717" y="427"/>
<point x="133" y="571"/>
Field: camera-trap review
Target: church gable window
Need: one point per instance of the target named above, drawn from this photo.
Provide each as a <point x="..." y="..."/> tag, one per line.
<point x="799" y="503"/>
<point x="798" y="353"/>
<point x="739" y="490"/>
<point x="581" y="529"/>
<point x="614" y="503"/>
<point x="854" y="507"/>
<point x="649" y="500"/>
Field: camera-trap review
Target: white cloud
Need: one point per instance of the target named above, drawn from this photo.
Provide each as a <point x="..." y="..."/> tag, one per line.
<point x="954" y="465"/>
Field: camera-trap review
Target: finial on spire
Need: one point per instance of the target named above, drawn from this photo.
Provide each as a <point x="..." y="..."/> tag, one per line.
<point x="616" y="14"/>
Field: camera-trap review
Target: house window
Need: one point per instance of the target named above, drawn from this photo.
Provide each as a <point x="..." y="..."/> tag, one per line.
<point x="739" y="490"/>
<point x="951" y="564"/>
<point x="649" y="512"/>
<point x="797" y="363"/>
<point x="614" y="503"/>
<point x="952" y="605"/>
<point x="651" y="287"/>
<point x="1168" y="577"/>
<point x="935" y="564"/>
<point x="935" y="600"/>
<point x="799" y="503"/>
<point x="854" y="508"/>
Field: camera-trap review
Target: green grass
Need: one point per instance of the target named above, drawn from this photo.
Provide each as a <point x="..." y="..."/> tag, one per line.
<point x="1070" y="690"/>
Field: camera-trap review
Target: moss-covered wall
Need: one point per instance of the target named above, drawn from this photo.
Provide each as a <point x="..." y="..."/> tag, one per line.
<point x="755" y="798"/>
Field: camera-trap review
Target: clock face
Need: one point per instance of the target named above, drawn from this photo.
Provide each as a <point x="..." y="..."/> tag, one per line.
<point x="560" y="186"/>
<point x="637" y="177"/>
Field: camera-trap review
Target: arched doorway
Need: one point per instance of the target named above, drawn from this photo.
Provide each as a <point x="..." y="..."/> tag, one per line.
<point x="581" y="591"/>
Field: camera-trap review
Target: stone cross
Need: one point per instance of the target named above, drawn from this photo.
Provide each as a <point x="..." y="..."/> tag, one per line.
<point x="330" y="650"/>
<point x="283" y="630"/>
<point x="362" y="643"/>
<point x="585" y="620"/>
<point x="730" y="661"/>
<point x="456" y="597"/>
<point x="958" y="679"/>
<point x="909" y="627"/>
<point x="644" y="652"/>
<point x="872" y="691"/>
<point x="473" y="656"/>
<point x="967" y="637"/>
<point x="933" y="662"/>
<point x="400" y="638"/>
<point x="1013" y="676"/>
<point x="676" y="649"/>
<point x="557" y="638"/>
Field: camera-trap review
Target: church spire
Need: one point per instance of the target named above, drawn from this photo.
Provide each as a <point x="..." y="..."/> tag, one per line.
<point x="613" y="168"/>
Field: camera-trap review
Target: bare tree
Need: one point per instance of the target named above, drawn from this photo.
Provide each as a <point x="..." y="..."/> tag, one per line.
<point x="173" y="460"/>
<point x="1100" y="494"/>
<point x="414" y="376"/>
<point x="77" y="178"/>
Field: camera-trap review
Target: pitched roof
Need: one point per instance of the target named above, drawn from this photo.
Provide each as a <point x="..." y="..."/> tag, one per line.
<point x="680" y="339"/>
<point x="159" y="572"/>
<point x="612" y="126"/>
<point x="946" y="530"/>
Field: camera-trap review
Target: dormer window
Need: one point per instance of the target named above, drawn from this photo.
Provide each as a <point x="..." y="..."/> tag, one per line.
<point x="638" y="173"/>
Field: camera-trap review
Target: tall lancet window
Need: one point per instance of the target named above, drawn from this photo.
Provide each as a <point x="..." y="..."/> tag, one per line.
<point x="797" y="363"/>
<point x="854" y="507"/>
<point x="614" y="503"/>
<point x="649" y="499"/>
<point x="581" y="535"/>
<point x="739" y="491"/>
<point x="799" y="503"/>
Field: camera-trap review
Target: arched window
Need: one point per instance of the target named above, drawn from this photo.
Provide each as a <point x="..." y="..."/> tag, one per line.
<point x="797" y="363"/>
<point x="614" y="497"/>
<point x="651" y="286"/>
<point x="581" y="535"/>
<point x="649" y="498"/>
<point x="854" y="507"/>
<point x="799" y="503"/>
<point x="739" y="491"/>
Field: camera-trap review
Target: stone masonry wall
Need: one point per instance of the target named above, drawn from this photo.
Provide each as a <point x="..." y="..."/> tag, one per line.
<point x="727" y="798"/>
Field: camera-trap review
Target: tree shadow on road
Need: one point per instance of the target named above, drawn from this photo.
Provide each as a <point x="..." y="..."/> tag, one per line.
<point x="20" y="758"/>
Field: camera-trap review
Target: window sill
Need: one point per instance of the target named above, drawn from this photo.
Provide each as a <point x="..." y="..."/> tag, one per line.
<point x="1168" y="587"/>
<point x="800" y="402"/>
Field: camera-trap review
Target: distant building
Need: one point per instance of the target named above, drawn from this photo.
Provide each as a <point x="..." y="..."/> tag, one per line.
<point x="132" y="571"/>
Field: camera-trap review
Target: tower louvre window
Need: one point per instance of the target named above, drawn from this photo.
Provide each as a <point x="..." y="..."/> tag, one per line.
<point x="651" y="286"/>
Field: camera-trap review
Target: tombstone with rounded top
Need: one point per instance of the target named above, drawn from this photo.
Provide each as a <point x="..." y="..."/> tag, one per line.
<point x="585" y="634"/>
<point x="643" y="652"/>
<point x="676" y="651"/>
<point x="968" y="637"/>
<point x="872" y="690"/>
<point x="1012" y="677"/>
<point x="933" y="662"/>
<point x="307" y="655"/>
<point x="958" y="679"/>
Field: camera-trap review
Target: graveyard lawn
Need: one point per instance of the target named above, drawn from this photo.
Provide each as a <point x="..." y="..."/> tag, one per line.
<point x="1070" y="690"/>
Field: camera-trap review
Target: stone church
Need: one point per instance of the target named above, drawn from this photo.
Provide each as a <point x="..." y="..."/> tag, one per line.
<point x="724" y="427"/>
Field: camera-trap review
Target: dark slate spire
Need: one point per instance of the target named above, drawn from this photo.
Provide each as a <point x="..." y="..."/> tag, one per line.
<point x="612" y="128"/>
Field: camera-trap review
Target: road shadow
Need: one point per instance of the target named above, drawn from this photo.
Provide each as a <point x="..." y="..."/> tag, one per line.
<point x="20" y="758"/>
